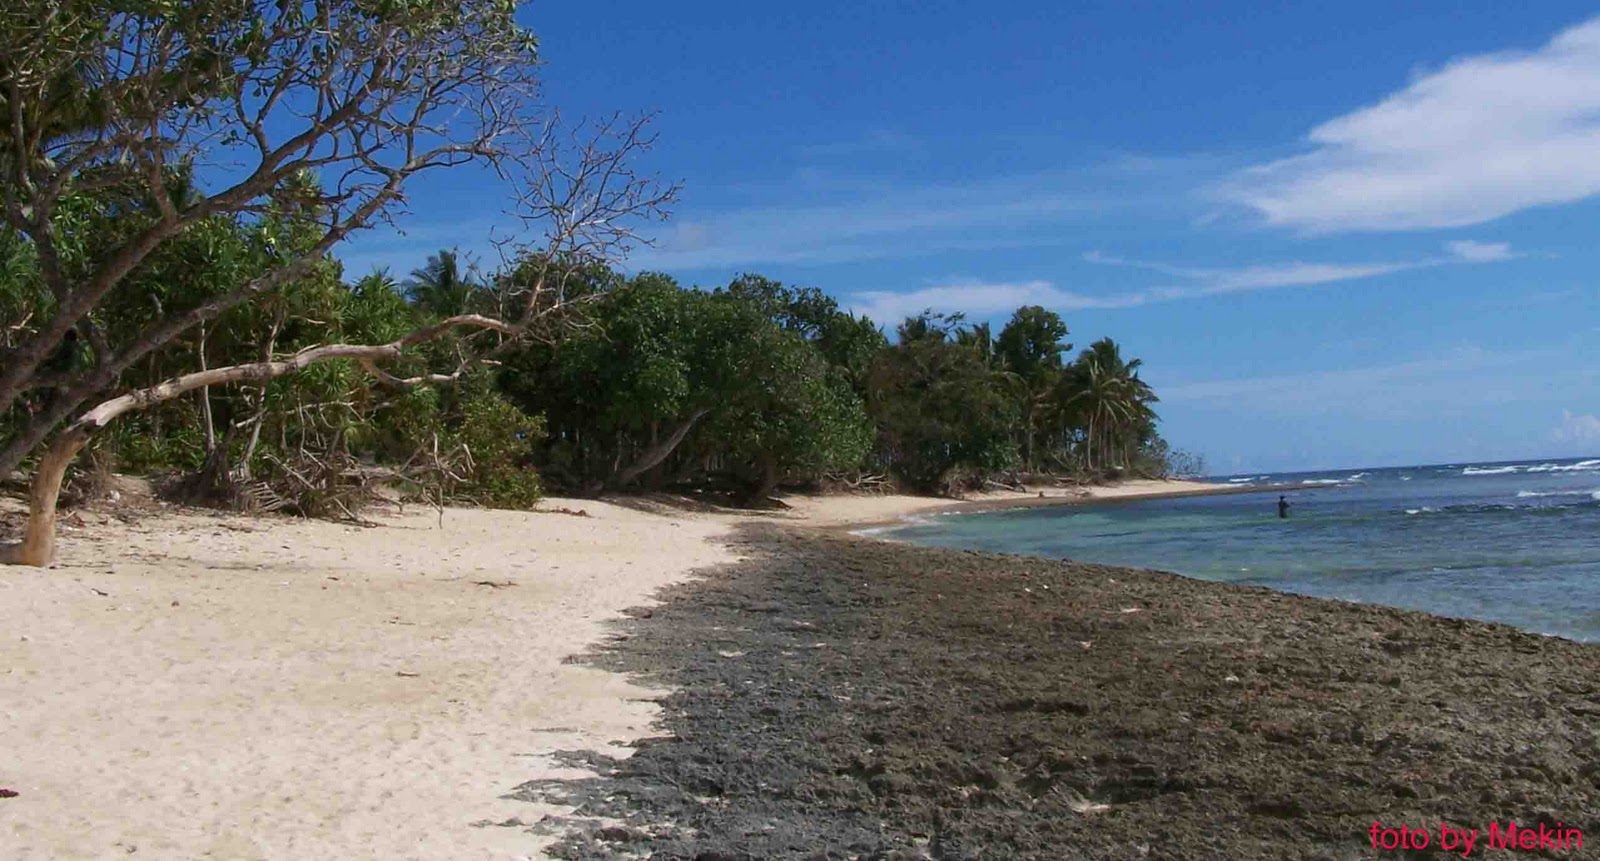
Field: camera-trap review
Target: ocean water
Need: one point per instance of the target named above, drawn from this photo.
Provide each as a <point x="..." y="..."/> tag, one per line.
<point x="1514" y="542"/>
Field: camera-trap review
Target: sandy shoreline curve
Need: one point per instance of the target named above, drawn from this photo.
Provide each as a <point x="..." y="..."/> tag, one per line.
<point x="196" y="685"/>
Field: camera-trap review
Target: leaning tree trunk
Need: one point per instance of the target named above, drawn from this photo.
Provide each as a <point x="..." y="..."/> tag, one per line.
<point x="38" y="544"/>
<point x="767" y="477"/>
<point x="656" y="453"/>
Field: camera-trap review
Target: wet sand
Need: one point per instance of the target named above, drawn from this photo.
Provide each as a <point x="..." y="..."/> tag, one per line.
<point x="838" y="697"/>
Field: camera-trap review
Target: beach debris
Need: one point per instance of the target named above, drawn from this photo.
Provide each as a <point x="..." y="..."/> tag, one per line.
<point x="580" y="512"/>
<point x="513" y="822"/>
<point x="8" y="793"/>
<point x="1231" y="679"/>
<point x="1083" y="806"/>
<point x="619" y="834"/>
<point x="406" y="674"/>
<point x="1085" y="644"/>
<point x="494" y="584"/>
<point x="1126" y="610"/>
<point x="99" y="592"/>
<point x="731" y="654"/>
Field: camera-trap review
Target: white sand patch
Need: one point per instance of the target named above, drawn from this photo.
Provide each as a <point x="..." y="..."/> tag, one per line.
<point x="307" y="690"/>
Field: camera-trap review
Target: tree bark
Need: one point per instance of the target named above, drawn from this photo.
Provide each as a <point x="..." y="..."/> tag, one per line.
<point x="38" y="547"/>
<point x="767" y="476"/>
<point x="656" y="453"/>
<point x="205" y="400"/>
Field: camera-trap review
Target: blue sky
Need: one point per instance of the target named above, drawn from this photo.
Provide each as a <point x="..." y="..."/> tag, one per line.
<point x="1361" y="234"/>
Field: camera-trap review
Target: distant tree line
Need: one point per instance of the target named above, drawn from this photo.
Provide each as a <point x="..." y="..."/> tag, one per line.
<point x="636" y="383"/>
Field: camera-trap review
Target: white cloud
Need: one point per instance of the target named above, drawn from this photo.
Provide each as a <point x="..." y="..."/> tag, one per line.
<point x="873" y="223"/>
<point x="980" y="299"/>
<point x="874" y="142"/>
<point x="1577" y="428"/>
<point x="1468" y="382"/>
<point x="1324" y="387"/>
<point x="828" y="216"/>
<point x="1483" y="137"/>
<point x="1473" y="251"/>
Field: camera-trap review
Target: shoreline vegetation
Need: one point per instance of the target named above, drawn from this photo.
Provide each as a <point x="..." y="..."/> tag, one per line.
<point x="270" y="687"/>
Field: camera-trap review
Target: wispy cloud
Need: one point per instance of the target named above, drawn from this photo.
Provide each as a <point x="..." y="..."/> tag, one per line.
<point x="875" y="142"/>
<point x="1482" y="137"/>
<point x="1480" y="252"/>
<point x="979" y="298"/>
<point x="873" y="223"/>
<point x="1465" y="380"/>
<point x="1576" y="428"/>
<point x="1317" y="387"/>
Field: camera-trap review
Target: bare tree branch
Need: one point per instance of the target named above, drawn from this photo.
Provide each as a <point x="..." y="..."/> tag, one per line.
<point x="362" y="95"/>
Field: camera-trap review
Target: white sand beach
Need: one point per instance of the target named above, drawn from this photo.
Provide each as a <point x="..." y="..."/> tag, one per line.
<point x="194" y="685"/>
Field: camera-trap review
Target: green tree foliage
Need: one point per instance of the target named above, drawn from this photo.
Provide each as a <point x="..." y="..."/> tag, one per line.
<point x="441" y="288"/>
<point x="660" y="380"/>
<point x="784" y="411"/>
<point x="309" y="116"/>
<point x="1030" y="347"/>
<point x="499" y="440"/>
<point x="944" y="412"/>
<point x="1102" y="401"/>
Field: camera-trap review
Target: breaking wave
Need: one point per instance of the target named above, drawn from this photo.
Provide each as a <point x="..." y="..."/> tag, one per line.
<point x="1491" y="470"/>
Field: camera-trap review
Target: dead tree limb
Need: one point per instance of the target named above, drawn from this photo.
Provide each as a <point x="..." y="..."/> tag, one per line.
<point x="38" y="544"/>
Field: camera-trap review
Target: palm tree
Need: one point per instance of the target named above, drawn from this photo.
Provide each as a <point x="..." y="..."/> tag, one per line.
<point x="440" y="287"/>
<point x="979" y="338"/>
<point x="1105" y="395"/>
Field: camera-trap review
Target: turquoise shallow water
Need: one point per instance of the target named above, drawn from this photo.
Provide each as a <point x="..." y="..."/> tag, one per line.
<point x="1515" y="542"/>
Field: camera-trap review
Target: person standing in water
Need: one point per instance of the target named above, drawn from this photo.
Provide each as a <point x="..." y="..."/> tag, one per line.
<point x="1283" y="507"/>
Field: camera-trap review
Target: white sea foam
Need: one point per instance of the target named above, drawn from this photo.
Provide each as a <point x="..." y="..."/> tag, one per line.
<point x="1323" y="481"/>
<point x="1536" y="494"/>
<point x="1491" y="470"/>
<point x="1580" y="466"/>
<point x="1423" y="510"/>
